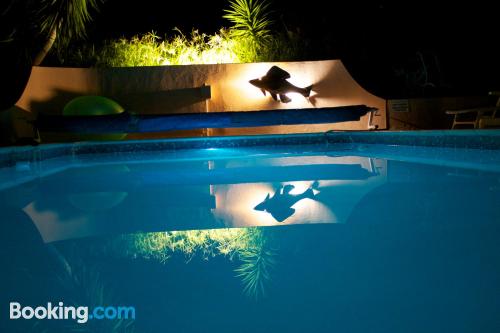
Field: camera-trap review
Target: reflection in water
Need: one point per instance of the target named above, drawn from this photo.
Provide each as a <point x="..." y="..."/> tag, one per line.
<point x="339" y="183"/>
<point x="406" y="247"/>
<point x="279" y="205"/>
<point x="197" y="194"/>
<point x="248" y="245"/>
<point x="96" y="201"/>
<point x="35" y="273"/>
<point x="83" y="284"/>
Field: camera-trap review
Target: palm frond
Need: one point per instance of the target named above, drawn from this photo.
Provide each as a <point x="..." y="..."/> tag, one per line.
<point x="250" y="18"/>
<point x="69" y="17"/>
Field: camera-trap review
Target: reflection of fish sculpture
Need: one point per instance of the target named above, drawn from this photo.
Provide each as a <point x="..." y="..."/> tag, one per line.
<point x="280" y="204"/>
<point x="276" y="84"/>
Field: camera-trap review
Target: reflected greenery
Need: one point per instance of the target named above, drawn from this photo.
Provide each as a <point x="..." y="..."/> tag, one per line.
<point x="81" y="283"/>
<point x="251" y="246"/>
<point x="255" y="270"/>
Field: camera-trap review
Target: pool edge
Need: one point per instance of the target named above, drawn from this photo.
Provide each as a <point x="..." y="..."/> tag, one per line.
<point x="469" y="139"/>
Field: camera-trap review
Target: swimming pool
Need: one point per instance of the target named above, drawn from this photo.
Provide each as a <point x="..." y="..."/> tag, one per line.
<point x="347" y="232"/>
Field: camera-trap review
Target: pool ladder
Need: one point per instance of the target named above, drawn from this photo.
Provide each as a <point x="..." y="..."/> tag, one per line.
<point x="371" y="126"/>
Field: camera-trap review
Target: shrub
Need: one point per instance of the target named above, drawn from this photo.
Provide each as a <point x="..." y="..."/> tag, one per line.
<point x="249" y="39"/>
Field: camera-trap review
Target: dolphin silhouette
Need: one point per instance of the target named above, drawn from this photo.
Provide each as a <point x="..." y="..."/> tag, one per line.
<point x="276" y="84"/>
<point x="280" y="204"/>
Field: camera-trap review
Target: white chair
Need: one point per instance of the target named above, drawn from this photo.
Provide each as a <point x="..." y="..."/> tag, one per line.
<point x="483" y="117"/>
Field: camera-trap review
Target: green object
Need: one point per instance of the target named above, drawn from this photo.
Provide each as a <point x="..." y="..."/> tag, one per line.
<point x="92" y="106"/>
<point x="250" y="18"/>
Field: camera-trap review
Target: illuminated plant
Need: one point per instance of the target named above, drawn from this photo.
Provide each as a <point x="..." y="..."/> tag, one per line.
<point x="138" y="51"/>
<point x="251" y="28"/>
<point x="200" y="48"/>
<point x="151" y="50"/>
<point x="249" y="39"/>
<point x="249" y="245"/>
<point x="250" y="18"/>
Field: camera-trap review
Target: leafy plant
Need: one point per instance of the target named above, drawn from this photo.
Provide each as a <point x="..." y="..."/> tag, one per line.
<point x="251" y="28"/>
<point x="150" y="50"/>
<point x="250" y="18"/>
<point x="69" y="17"/>
<point x="61" y="21"/>
<point x="28" y="31"/>
<point x="249" y="39"/>
<point x="28" y="20"/>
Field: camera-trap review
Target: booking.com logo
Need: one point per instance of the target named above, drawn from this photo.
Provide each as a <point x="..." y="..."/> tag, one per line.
<point x="81" y="314"/>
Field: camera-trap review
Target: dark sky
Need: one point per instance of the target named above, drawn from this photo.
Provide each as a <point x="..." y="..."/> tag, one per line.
<point x="125" y="18"/>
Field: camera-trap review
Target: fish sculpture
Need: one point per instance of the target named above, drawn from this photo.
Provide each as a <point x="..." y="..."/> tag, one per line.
<point x="275" y="83"/>
<point x="280" y="204"/>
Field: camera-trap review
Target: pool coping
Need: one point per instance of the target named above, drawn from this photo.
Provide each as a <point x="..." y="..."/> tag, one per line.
<point x="469" y="139"/>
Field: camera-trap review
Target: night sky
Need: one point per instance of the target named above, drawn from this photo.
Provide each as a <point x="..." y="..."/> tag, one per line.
<point x="457" y="42"/>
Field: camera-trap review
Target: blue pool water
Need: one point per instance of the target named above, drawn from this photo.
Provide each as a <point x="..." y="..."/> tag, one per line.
<point x="322" y="236"/>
